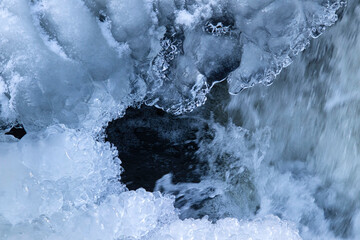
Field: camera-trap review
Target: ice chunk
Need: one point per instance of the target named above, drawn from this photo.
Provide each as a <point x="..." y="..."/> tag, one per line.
<point x="132" y="21"/>
<point x="167" y="54"/>
<point x="73" y="26"/>
<point x="55" y="169"/>
<point x="38" y="81"/>
<point x="247" y="42"/>
<point x="269" y="228"/>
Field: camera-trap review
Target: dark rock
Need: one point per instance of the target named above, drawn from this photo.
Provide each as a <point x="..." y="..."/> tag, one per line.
<point x="152" y="143"/>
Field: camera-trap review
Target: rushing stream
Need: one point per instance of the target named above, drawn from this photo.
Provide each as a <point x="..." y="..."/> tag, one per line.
<point x="179" y="119"/>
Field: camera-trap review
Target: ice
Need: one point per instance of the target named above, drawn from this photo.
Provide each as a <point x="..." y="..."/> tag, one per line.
<point x="48" y="69"/>
<point x="273" y="37"/>
<point x="132" y="22"/>
<point x="269" y="228"/>
<point x="314" y="124"/>
<point x="75" y="29"/>
<point x="62" y="183"/>
<point x="69" y="67"/>
<point x="185" y="18"/>
<point x="55" y="169"/>
<point x="30" y="70"/>
<point x="84" y="45"/>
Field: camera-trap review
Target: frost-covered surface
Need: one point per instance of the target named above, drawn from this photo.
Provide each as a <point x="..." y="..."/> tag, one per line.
<point x="68" y="67"/>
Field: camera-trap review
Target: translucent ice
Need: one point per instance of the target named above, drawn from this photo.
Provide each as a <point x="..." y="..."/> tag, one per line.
<point x="54" y="55"/>
<point x="52" y="170"/>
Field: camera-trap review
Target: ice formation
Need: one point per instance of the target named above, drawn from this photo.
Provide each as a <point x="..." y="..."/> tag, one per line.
<point x="69" y="67"/>
<point x="165" y="53"/>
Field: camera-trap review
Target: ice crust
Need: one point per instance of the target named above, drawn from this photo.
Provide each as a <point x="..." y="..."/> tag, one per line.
<point x="68" y="67"/>
<point x="164" y="53"/>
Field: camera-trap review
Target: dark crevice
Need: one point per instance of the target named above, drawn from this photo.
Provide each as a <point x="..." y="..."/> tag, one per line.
<point x="17" y="131"/>
<point x="102" y="17"/>
<point x="152" y="143"/>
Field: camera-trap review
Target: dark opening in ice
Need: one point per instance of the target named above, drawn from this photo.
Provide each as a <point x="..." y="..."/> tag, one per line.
<point x="152" y="143"/>
<point x="17" y="131"/>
